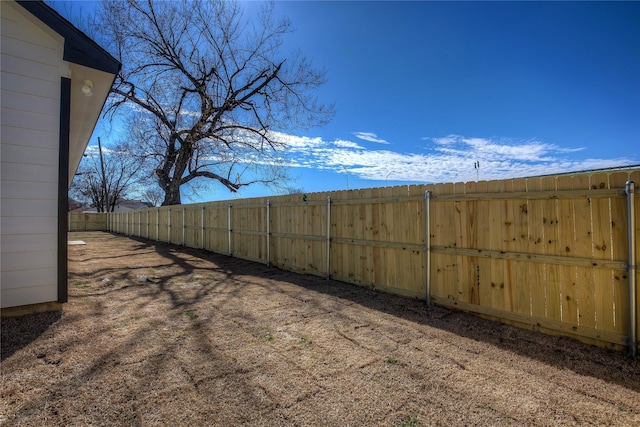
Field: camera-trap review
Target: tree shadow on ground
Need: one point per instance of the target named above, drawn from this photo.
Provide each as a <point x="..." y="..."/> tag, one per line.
<point x="18" y="332"/>
<point x="557" y="351"/>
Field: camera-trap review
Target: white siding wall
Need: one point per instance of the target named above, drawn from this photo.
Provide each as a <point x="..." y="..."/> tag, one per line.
<point x="31" y="67"/>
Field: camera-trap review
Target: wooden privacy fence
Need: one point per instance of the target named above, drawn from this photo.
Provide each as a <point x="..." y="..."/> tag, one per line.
<point x="87" y="221"/>
<point x="546" y="253"/>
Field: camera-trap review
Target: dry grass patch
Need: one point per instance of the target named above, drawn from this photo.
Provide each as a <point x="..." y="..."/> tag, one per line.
<point x="211" y="340"/>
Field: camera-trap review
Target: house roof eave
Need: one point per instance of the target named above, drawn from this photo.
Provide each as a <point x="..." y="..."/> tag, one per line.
<point x="78" y="47"/>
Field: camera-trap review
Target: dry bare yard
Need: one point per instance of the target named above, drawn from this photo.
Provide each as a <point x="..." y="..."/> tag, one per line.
<point x="212" y="340"/>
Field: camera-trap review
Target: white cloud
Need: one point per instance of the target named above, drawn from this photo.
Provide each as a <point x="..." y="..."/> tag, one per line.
<point x="346" y="144"/>
<point x="444" y="159"/>
<point x="369" y="136"/>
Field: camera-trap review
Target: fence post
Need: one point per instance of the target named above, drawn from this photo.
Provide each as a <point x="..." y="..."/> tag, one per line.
<point x="169" y="225"/>
<point x="229" y="225"/>
<point x="183" y="225"/>
<point x="147" y="223"/>
<point x="427" y="246"/>
<point x="268" y="233"/>
<point x="631" y="230"/>
<point x="157" y="224"/>
<point x="328" y="237"/>
<point x="202" y="231"/>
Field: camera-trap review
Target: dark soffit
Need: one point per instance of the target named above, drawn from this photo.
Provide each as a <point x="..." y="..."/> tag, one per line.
<point x="78" y="47"/>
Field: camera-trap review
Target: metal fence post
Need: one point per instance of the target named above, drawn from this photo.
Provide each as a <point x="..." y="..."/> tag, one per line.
<point x="268" y="233"/>
<point x="229" y="226"/>
<point x="631" y="230"/>
<point x="328" y="237"/>
<point x="427" y="244"/>
<point x="202" y="230"/>
<point x="169" y="225"/>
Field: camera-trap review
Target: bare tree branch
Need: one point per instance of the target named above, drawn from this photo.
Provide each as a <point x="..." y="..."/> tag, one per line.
<point x="207" y="90"/>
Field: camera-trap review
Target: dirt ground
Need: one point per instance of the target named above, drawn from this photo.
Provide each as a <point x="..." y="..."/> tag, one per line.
<point x="211" y="340"/>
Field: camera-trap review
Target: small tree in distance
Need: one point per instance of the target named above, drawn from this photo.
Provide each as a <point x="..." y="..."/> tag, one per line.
<point x="207" y="92"/>
<point x="105" y="178"/>
<point x="152" y="195"/>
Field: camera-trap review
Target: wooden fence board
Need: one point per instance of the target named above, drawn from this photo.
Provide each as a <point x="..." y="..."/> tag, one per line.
<point x="367" y="256"/>
<point x="508" y="245"/>
<point x="390" y="253"/>
<point x="551" y="245"/>
<point x="443" y="234"/>
<point x="472" y="274"/>
<point x="603" y="279"/>
<point x="378" y="261"/>
<point x="619" y="251"/>
<point x="522" y="299"/>
<point x="536" y="271"/>
<point x="418" y="233"/>
<point x="496" y="228"/>
<point x="585" y="291"/>
<point x="462" y="222"/>
<point x="163" y="224"/>
<point x="567" y="247"/>
<point x="484" y="242"/>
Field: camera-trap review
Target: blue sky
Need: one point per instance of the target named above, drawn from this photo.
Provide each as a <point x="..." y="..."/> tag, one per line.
<point x="423" y="90"/>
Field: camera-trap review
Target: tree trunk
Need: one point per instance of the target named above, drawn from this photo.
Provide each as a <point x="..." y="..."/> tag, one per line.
<point x="172" y="193"/>
<point x="171" y="184"/>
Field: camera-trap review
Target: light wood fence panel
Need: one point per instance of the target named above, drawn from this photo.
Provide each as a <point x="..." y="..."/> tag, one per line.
<point x="545" y="253"/>
<point x="87" y="221"/>
<point x="216" y="227"/>
<point x="298" y="233"/>
<point x="545" y="257"/>
<point x="249" y="229"/>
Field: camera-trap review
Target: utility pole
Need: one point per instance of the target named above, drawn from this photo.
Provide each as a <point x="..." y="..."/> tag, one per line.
<point x="345" y="169"/>
<point x="105" y="195"/>
<point x="477" y="166"/>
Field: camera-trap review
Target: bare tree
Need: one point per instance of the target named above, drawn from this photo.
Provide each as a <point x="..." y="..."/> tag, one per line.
<point x="207" y="92"/>
<point x="105" y="178"/>
<point x="152" y="195"/>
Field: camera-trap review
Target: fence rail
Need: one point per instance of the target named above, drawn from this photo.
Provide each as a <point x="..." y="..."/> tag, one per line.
<point x="546" y="253"/>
